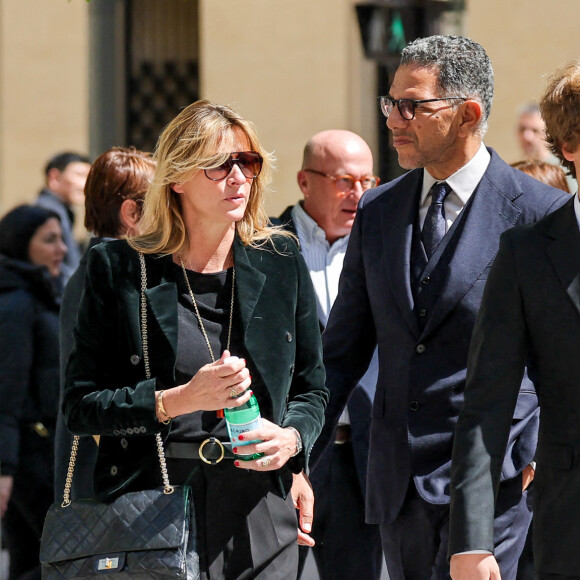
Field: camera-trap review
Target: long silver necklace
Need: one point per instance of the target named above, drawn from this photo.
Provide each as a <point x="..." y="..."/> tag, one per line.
<point x="199" y="320"/>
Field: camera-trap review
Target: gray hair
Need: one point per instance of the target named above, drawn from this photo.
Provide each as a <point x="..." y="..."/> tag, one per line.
<point x="463" y="68"/>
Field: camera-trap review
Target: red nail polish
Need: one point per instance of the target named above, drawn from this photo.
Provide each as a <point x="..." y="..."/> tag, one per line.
<point x="235" y="449"/>
<point x="241" y="437"/>
<point x="237" y="463"/>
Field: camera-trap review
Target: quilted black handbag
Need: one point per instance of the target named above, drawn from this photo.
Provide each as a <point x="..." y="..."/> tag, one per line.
<point x="141" y="535"/>
<point x="145" y="535"/>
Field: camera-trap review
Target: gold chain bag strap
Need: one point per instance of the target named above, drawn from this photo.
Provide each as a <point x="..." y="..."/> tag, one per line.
<point x="142" y="535"/>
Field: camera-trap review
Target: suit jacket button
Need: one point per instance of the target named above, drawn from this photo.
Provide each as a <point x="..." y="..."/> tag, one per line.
<point x="124" y="443"/>
<point x="420" y="349"/>
<point x="289" y="336"/>
<point x="426" y="280"/>
<point x="135" y="359"/>
<point x="422" y="313"/>
<point x="114" y="470"/>
<point x="414" y="405"/>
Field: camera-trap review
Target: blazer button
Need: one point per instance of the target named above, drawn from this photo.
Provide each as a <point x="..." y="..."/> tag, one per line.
<point x="414" y="405"/>
<point x="114" y="470"/>
<point x="289" y="336"/>
<point x="124" y="443"/>
<point x="135" y="359"/>
<point x="422" y="313"/>
<point x="420" y="349"/>
<point x="426" y="280"/>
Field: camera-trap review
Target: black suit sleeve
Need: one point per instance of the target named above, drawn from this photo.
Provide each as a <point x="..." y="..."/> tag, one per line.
<point x="496" y="365"/>
<point x="349" y="340"/>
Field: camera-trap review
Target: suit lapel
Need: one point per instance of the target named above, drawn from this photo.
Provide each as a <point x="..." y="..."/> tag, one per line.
<point x="492" y="212"/>
<point x="397" y="233"/>
<point x="249" y="284"/>
<point x="564" y="251"/>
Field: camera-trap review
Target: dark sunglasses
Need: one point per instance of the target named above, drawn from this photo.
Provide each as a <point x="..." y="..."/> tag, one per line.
<point x="407" y="106"/>
<point x="249" y="162"/>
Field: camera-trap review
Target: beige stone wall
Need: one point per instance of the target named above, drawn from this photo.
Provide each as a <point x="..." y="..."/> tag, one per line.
<point x="43" y="90"/>
<point x="526" y="40"/>
<point x="293" y="68"/>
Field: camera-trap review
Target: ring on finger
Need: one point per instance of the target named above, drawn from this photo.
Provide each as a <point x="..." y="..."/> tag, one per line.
<point x="266" y="461"/>
<point x="233" y="394"/>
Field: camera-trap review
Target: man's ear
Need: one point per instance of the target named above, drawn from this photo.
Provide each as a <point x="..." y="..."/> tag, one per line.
<point x="302" y="178"/>
<point x="470" y="116"/>
<point x="129" y="215"/>
<point x="53" y="178"/>
<point x="570" y="154"/>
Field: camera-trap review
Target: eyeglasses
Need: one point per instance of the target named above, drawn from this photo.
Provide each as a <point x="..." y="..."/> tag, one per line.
<point x="345" y="183"/>
<point x="407" y="106"/>
<point x="249" y="162"/>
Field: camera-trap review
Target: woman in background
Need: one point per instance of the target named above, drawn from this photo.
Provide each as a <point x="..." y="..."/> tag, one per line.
<point x="545" y="172"/>
<point x="114" y="192"/>
<point x="31" y="256"/>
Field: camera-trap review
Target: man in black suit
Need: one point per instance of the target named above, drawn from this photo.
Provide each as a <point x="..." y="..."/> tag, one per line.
<point x="337" y="168"/>
<point x="418" y="257"/>
<point x="530" y="315"/>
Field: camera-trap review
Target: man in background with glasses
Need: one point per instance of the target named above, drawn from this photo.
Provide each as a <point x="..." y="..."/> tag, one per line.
<point x="337" y="169"/>
<point x="413" y="276"/>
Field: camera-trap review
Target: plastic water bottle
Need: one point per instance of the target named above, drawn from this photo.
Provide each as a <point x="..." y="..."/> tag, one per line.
<point x="242" y="419"/>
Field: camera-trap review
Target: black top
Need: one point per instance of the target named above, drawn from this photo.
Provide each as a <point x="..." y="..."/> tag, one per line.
<point x="213" y="293"/>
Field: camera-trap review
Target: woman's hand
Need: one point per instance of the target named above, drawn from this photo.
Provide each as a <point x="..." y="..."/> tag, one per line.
<point x="213" y="387"/>
<point x="276" y="443"/>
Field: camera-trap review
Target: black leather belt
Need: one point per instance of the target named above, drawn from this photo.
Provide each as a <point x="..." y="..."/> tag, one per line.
<point x="342" y="434"/>
<point x="210" y="451"/>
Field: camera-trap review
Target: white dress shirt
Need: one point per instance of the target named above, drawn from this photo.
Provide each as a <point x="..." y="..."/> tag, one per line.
<point x="324" y="261"/>
<point x="463" y="183"/>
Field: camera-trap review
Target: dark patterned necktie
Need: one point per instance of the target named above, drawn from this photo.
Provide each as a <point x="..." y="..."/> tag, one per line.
<point x="434" y="226"/>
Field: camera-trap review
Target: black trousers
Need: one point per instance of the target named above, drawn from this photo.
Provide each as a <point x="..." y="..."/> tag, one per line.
<point x="32" y="495"/>
<point x="246" y="527"/>
<point x="346" y="547"/>
<point x="415" y="543"/>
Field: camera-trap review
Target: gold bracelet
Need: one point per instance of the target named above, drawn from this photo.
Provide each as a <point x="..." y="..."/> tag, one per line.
<point x="161" y="408"/>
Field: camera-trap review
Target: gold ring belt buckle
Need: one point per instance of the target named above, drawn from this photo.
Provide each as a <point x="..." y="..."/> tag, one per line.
<point x="211" y="440"/>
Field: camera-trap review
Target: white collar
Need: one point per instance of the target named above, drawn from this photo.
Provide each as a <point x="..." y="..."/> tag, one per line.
<point x="464" y="181"/>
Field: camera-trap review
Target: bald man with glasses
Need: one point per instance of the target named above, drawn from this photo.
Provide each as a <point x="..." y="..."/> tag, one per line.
<point x="337" y="169"/>
<point x="412" y="281"/>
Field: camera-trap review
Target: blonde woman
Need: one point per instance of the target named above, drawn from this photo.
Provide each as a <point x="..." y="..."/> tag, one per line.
<point x="221" y="282"/>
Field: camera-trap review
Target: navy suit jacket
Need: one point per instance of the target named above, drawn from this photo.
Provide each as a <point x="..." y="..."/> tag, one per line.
<point x="421" y="373"/>
<point x="359" y="405"/>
